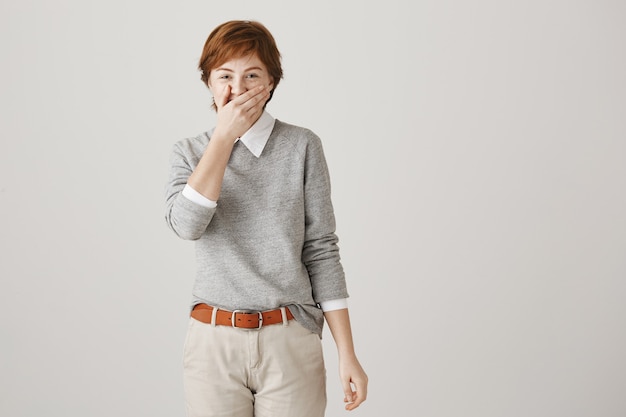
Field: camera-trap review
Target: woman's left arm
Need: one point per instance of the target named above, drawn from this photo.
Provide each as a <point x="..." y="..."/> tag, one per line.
<point x="353" y="377"/>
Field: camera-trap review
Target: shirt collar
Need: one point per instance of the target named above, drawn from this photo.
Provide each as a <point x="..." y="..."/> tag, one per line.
<point x="257" y="136"/>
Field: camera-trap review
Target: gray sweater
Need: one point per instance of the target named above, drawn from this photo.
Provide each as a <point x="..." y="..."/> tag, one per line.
<point x="271" y="241"/>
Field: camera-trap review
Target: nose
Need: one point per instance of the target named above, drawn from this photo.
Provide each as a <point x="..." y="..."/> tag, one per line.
<point x="237" y="86"/>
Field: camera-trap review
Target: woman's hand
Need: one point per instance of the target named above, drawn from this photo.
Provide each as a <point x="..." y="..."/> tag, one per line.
<point x="354" y="382"/>
<point x="235" y="116"/>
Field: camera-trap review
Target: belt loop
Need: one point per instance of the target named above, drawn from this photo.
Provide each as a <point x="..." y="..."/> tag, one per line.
<point x="283" y="313"/>
<point x="214" y="316"/>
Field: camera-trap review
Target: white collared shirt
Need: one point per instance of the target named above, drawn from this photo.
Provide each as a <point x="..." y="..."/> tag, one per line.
<point x="257" y="136"/>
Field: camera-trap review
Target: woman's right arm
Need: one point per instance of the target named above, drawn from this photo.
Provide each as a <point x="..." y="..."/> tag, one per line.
<point x="186" y="218"/>
<point x="234" y="118"/>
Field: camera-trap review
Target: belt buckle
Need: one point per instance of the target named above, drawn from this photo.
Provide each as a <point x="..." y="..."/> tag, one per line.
<point x="233" y="321"/>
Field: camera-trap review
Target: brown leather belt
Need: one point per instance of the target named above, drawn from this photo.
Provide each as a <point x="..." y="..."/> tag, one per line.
<point x="239" y="318"/>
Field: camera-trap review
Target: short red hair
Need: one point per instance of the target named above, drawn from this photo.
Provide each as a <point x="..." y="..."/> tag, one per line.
<point x="238" y="38"/>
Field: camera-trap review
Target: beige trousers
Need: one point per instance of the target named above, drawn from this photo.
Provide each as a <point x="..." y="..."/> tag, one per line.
<point x="277" y="371"/>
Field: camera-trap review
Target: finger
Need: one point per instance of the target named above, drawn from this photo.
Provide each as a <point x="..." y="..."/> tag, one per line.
<point x="256" y="100"/>
<point x="348" y="394"/>
<point x="358" y="399"/>
<point x="223" y="99"/>
<point x="247" y="96"/>
<point x="359" y="395"/>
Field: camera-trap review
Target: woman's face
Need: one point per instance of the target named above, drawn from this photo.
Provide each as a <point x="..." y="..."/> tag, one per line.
<point x="237" y="76"/>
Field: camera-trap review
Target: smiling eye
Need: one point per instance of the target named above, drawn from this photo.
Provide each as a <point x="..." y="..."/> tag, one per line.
<point x="252" y="76"/>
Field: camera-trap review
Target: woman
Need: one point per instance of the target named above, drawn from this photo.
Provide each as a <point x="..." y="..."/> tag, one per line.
<point x="254" y="193"/>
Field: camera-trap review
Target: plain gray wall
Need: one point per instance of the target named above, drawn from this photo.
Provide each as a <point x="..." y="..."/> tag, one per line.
<point x="478" y="158"/>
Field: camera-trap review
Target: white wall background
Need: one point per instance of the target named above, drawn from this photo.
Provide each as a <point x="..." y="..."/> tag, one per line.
<point x="478" y="157"/>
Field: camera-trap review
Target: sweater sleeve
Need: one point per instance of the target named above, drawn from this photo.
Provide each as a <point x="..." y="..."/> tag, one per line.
<point x="186" y="218"/>
<point x="320" y="253"/>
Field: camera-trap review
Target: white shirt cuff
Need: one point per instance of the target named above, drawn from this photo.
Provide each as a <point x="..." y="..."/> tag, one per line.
<point x="198" y="198"/>
<point x="331" y="305"/>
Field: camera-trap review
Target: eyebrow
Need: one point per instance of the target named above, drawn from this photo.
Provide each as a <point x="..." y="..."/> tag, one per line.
<point x="246" y="70"/>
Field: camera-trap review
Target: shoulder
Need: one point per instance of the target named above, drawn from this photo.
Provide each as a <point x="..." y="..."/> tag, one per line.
<point x="192" y="146"/>
<point x="301" y="138"/>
